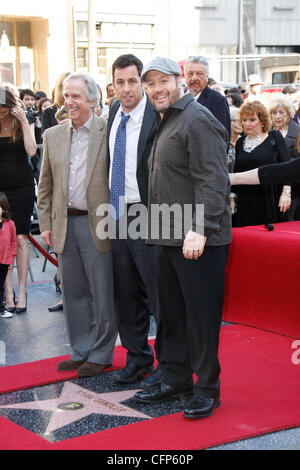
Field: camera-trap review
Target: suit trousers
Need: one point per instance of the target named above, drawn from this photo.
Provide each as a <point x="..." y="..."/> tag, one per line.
<point x="191" y="296"/>
<point x="135" y="296"/>
<point x="87" y="287"/>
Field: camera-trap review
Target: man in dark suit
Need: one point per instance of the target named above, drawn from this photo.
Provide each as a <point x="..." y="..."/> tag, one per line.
<point x="135" y="292"/>
<point x="196" y="75"/>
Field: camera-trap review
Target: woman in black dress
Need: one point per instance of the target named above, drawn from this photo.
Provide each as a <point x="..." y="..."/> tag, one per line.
<point x="259" y="146"/>
<point x="17" y="142"/>
<point x="278" y="173"/>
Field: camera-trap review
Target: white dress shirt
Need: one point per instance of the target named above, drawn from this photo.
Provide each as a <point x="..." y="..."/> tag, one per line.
<point x="133" y="129"/>
<point x="78" y="161"/>
<point x="195" y="96"/>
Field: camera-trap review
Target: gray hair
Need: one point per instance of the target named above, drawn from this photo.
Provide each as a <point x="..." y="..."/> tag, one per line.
<point x="91" y="87"/>
<point x="198" y="60"/>
<point x="279" y="99"/>
<point x="234" y="111"/>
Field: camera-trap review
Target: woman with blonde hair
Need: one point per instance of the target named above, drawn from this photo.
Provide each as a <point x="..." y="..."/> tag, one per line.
<point x="257" y="147"/>
<point x="51" y="114"/>
<point x="17" y="142"/>
<point x="282" y="113"/>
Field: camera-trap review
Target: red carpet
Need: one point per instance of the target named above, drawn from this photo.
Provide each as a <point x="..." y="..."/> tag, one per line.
<point x="263" y="278"/>
<point x="33" y="374"/>
<point x="260" y="394"/>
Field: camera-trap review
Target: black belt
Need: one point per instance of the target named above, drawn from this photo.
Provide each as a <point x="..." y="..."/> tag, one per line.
<point x="73" y="212"/>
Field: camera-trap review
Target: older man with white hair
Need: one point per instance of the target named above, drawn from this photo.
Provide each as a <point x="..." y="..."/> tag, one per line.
<point x="73" y="183"/>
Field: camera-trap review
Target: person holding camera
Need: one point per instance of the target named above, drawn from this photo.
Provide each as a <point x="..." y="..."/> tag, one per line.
<point x="17" y="142"/>
<point x="28" y="99"/>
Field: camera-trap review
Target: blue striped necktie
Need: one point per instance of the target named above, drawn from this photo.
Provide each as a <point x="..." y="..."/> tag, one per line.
<point x="117" y="189"/>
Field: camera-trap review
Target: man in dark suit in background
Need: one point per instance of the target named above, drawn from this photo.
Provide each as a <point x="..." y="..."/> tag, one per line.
<point x="135" y="292"/>
<point x="196" y="75"/>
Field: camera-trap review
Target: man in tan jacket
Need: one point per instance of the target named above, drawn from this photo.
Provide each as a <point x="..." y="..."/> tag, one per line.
<point x="73" y="184"/>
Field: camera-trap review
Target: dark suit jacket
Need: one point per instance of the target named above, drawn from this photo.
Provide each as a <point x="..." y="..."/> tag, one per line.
<point x="48" y="117"/>
<point x="147" y="133"/>
<point x="291" y="139"/>
<point x="218" y="106"/>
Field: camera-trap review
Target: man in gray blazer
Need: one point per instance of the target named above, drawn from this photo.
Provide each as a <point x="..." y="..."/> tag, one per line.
<point x="187" y="172"/>
<point x="73" y="184"/>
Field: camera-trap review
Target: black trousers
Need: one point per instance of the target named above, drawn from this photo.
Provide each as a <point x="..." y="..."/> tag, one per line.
<point x="191" y="296"/>
<point x="3" y="274"/>
<point x="135" y="297"/>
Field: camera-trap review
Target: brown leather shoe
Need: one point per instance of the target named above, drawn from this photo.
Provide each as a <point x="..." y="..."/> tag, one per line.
<point x="67" y="365"/>
<point x="88" y="369"/>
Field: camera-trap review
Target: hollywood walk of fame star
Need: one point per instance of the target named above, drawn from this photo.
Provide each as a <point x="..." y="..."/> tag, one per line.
<point x="76" y="402"/>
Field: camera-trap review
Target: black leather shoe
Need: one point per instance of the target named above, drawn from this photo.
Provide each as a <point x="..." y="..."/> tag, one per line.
<point x="56" y="308"/>
<point x="162" y="392"/>
<point x="151" y="380"/>
<point x="129" y="375"/>
<point x="201" y="407"/>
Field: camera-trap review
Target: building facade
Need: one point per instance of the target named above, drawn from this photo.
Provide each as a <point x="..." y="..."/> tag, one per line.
<point x="36" y="42"/>
<point x="39" y="40"/>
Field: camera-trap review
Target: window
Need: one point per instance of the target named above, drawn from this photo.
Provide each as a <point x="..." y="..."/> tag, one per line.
<point x="125" y="32"/>
<point x="101" y="60"/>
<point x="107" y="32"/>
<point x="99" y="31"/>
<point x="82" y="30"/>
<point x="82" y="58"/>
<point x="284" y="77"/>
<point x="284" y="4"/>
<point x="207" y="3"/>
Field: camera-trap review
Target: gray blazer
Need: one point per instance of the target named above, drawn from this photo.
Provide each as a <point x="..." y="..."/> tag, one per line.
<point x="54" y="181"/>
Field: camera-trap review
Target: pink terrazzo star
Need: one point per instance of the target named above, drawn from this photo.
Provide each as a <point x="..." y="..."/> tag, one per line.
<point x="76" y="402"/>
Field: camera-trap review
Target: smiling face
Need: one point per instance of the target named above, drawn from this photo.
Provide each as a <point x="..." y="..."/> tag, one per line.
<point x="76" y="101"/>
<point x="128" y="87"/>
<point x="163" y="90"/>
<point x="196" y="77"/>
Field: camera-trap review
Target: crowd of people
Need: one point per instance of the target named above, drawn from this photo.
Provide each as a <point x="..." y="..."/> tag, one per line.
<point x="149" y="145"/>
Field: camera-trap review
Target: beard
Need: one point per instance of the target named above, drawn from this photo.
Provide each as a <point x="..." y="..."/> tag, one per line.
<point x="171" y="98"/>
